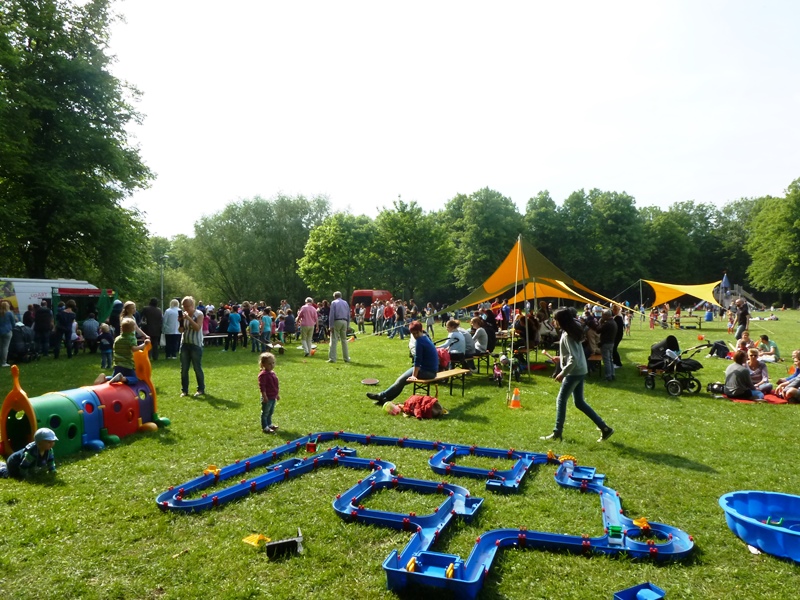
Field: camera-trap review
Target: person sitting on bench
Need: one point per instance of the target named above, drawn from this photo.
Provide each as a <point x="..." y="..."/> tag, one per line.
<point x="426" y="364"/>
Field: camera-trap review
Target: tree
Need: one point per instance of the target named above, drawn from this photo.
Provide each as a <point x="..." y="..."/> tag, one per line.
<point x="543" y="225"/>
<point x="616" y="235"/>
<point x="774" y="243"/>
<point x="483" y="227"/>
<point x="576" y="246"/>
<point x="65" y="159"/>
<point x="415" y="252"/>
<point x="337" y="255"/>
<point x="249" y="250"/>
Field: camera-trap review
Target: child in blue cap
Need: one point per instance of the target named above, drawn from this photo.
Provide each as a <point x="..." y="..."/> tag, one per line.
<point x="36" y="455"/>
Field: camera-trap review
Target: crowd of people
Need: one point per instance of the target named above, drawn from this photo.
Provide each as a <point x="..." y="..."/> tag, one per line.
<point x="188" y="327"/>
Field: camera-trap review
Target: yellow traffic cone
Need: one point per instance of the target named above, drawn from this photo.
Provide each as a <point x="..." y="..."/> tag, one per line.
<point x="515" y="403"/>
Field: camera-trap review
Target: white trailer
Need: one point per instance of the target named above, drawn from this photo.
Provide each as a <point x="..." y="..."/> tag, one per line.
<point x="20" y="293"/>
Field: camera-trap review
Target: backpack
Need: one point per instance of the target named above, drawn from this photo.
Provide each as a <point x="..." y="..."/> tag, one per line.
<point x="444" y="358"/>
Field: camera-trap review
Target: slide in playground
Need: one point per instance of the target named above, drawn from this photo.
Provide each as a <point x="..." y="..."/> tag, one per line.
<point x="417" y="563"/>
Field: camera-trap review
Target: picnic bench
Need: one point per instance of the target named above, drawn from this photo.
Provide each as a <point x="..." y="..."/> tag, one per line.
<point x="442" y="377"/>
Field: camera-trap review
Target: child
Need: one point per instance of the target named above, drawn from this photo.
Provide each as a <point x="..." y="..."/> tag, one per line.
<point x="28" y="460"/>
<point x="124" y="347"/>
<point x="255" y="326"/>
<point x="266" y="326"/>
<point x="731" y="321"/>
<point x="280" y="328"/>
<point x="106" y="342"/>
<point x="626" y="321"/>
<point x="268" y="384"/>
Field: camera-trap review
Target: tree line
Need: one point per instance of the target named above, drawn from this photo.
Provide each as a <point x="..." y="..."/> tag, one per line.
<point x="600" y="238"/>
<point x="67" y="164"/>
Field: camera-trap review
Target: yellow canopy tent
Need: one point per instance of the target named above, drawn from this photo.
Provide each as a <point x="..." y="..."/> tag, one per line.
<point x="669" y="291"/>
<point x="532" y="276"/>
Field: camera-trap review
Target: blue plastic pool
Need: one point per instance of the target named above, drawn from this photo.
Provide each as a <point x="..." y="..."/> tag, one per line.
<point x="770" y="521"/>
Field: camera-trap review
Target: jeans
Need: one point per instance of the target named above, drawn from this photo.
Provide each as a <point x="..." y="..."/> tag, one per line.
<point x="67" y="335"/>
<point x="267" y="408"/>
<point x="339" y="332"/>
<point x="105" y="359"/>
<point x="740" y="330"/>
<point x="191" y="354"/>
<point x="155" y="346"/>
<point x="43" y="342"/>
<point x="394" y="390"/>
<point x="5" y="341"/>
<point x="572" y="385"/>
<point x="232" y="335"/>
<point x="607" y="351"/>
<point x="388" y="326"/>
<point x="173" y="341"/>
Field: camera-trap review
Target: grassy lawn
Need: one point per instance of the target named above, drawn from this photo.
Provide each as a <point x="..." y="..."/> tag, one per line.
<point x="95" y="531"/>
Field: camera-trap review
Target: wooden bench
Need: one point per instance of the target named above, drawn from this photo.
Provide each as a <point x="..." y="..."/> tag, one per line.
<point x="595" y="362"/>
<point x="483" y="357"/>
<point x="442" y="376"/>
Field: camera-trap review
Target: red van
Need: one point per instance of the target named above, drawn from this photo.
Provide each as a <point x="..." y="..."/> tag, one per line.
<point x="367" y="297"/>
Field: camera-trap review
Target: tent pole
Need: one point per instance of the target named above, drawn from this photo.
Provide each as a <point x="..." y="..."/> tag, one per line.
<point x="641" y="305"/>
<point x="516" y="283"/>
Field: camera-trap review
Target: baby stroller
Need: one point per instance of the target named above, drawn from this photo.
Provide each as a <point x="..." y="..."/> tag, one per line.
<point x="22" y="348"/>
<point x="675" y="367"/>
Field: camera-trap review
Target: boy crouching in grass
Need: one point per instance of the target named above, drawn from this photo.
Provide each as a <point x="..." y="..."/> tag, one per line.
<point x="33" y="457"/>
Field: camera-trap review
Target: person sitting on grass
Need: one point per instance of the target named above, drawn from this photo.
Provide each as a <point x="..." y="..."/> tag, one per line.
<point x="426" y="364"/>
<point x="33" y="457"/>
<point x="124" y="347"/>
<point x="768" y="350"/>
<point x="737" y="380"/>
<point x="789" y="387"/>
<point x="758" y="372"/>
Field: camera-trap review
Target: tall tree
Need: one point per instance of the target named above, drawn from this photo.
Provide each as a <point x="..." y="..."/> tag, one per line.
<point x="66" y="162"/>
<point x="415" y="252"/>
<point x="483" y="227"/>
<point x="249" y="250"/>
<point x="337" y="255"/>
<point x="577" y="244"/>
<point x="543" y="225"/>
<point x="774" y="243"/>
<point x="617" y="234"/>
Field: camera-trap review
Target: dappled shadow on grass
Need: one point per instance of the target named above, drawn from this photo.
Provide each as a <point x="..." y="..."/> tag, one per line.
<point x="662" y="458"/>
<point x="461" y="411"/>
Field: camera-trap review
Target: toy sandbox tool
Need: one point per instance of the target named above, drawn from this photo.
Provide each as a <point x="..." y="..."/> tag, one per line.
<point x="284" y="547"/>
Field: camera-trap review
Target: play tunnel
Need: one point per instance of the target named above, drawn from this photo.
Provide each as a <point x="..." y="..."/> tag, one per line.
<point x="88" y="417"/>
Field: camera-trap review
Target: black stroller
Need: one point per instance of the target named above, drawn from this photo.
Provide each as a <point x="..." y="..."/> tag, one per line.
<point x="22" y="348"/>
<point x="676" y="368"/>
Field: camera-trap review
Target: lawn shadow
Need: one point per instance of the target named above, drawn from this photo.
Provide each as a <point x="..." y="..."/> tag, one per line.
<point x="663" y="458"/>
<point x="216" y="402"/>
<point x="461" y="411"/>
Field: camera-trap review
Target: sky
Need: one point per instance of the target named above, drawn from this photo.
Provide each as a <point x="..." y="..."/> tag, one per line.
<point x="365" y="102"/>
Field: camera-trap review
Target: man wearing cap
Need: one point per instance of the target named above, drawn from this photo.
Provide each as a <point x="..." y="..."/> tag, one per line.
<point x="36" y="455"/>
<point x="426" y="364"/>
<point x="307" y="319"/>
<point x="340" y="319"/>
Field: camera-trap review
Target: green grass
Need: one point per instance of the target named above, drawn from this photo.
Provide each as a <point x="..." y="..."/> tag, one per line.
<point x="95" y="532"/>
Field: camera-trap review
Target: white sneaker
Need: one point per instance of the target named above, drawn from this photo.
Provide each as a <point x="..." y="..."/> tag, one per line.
<point x="5" y="365"/>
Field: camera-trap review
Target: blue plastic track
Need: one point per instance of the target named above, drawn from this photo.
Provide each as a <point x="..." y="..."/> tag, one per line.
<point x="416" y="563"/>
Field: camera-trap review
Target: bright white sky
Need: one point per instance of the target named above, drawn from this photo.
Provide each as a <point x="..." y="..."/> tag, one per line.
<point x="666" y="100"/>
